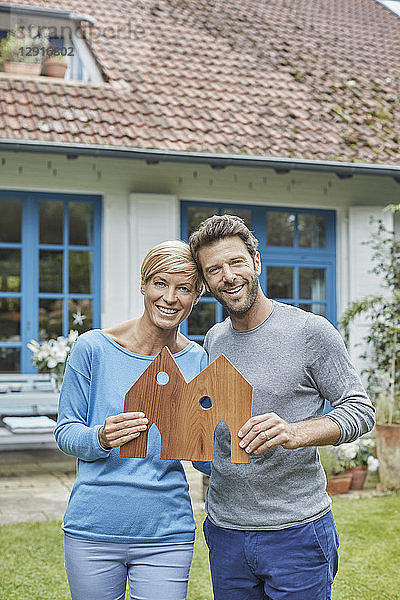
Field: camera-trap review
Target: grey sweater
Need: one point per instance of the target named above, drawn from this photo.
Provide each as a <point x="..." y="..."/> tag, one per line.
<point x="294" y="360"/>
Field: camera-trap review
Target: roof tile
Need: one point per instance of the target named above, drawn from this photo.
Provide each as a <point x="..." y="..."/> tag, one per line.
<point x="314" y="79"/>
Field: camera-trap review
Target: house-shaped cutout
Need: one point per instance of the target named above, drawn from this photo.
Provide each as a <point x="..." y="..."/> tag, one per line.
<point x="175" y="407"/>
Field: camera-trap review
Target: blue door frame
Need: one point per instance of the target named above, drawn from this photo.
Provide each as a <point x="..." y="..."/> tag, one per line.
<point x="30" y="247"/>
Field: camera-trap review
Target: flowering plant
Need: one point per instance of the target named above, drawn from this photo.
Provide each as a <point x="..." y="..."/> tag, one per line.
<point x="51" y="356"/>
<point x="355" y="453"/>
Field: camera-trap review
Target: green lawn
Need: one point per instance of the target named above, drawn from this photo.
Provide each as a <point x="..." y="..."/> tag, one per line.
<point x="369" y="567"/>
<point x="31" y="565"/>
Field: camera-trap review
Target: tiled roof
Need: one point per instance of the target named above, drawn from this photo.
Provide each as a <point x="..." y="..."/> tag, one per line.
<point x="289" y="78"/>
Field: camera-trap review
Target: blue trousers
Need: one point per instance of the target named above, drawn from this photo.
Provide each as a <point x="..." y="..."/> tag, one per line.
<point x="297" y="563"/>
<point x="99" y="570"/>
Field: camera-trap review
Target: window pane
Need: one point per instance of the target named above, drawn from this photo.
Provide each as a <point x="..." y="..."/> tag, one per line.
<point x="198" y="214"/>
<point x="280" y="228"/>
<point x="312" y="231"/>
<point x="10" y="270"/>
<point x="280" y="282"/>
<point x="10" y="222"/>
<point x="317" y="309"/>
<point x="243" y="213"/>
<point x="9" y="360"/>
<point x="80" y="272"/>
<point x="81" y="223"/>
<point x="50" y="275"/>
<point x="202" y="318"/>
<point x="80" y="315"/>
<point x="51" y="215"/>
<point x="312" y="284"/>
<point x="50" y="319"/>
<point x="10" y="319"/>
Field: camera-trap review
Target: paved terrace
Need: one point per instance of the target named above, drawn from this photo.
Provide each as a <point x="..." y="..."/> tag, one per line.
<point x="35" y="485"/>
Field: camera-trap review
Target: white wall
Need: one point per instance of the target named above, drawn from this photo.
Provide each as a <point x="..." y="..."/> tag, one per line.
<point x="361" y="281"/>
<point x="115" y="260"/>
<point x="153" y="218"/>
<point x="132" y="225"/>
<point x="342" y="259"/>
<point x="141" y="208"/>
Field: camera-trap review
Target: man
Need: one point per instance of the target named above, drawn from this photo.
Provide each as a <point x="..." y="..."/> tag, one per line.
<point x="270" y="530"/>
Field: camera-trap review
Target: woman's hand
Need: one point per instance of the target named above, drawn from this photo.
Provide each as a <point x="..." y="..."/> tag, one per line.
<point x="120" y="429"/>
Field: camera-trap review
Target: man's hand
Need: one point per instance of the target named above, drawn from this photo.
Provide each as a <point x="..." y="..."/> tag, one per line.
<point x="263" y="432"/>
<point x="120" y="429"/>
<point x="266" y="431"/>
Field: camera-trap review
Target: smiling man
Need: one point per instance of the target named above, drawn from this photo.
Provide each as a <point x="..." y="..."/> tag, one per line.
<point x="270" y="529"/>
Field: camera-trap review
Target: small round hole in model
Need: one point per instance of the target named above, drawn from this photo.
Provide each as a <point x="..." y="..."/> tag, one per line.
<point x="162" y="378"/>
<point x="206" y="402"/>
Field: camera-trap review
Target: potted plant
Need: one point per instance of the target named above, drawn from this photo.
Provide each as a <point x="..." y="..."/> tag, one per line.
<point x="338" y="479"/>
<point x="22" y="51"/>
<point x="359" y="454"/>
<point x="55" y="63"/>
<point x="51" y="356"/>
<point x="383" y="350"/>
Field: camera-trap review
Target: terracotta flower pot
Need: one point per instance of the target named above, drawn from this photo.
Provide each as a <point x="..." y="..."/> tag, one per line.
<point x="21" y="68"/>
<point x="55" y="67"/>
<point x="388" y="454"/>
<point x="339" y="484"/>
<point x="358" y="477"/>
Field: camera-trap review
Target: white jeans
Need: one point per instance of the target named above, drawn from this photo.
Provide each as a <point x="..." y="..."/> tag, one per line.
<point x="99" y="570"/>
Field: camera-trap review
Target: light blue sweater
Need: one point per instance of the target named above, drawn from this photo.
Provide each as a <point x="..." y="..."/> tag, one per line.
<point x="118" y="499"/>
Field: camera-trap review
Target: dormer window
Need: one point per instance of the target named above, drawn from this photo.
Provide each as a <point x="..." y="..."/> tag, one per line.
<point x="64" y="39"/>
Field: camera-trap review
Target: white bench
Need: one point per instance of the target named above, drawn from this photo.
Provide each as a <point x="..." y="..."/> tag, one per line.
<point x="26" y="395"/>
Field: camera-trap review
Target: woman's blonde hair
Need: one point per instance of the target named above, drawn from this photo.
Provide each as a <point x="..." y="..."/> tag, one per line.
<point x="171" y="257"/>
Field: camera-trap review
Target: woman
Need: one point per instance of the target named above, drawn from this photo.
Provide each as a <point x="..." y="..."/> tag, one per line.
<point x="129" y="518"/>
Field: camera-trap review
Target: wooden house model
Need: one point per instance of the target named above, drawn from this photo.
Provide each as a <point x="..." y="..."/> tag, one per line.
<point x="187" y="414"/>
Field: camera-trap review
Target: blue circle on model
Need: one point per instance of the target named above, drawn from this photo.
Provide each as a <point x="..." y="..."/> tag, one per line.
<point x="206" y="402"/>
<point x="162" y="377"/>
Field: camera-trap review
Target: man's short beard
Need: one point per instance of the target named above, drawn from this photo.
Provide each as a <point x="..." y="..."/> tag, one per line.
<point x="252" y="295"/>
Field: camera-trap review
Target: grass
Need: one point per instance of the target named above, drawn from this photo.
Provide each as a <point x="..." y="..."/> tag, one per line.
<point x="200" y="578"/>
<point x="31" y="566"/>
<point x="369" y="567"/>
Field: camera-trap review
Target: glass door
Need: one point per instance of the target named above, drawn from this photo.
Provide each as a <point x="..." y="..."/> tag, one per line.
<point x="10" y="283"/>
<point x="50" y="256"/>
<point x="298" y="257"/>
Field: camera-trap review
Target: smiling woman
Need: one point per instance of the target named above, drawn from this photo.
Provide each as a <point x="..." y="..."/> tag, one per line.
<point x="142" y="504"/>
<point x="169" y="297"/>
<point x="171" y="285"/>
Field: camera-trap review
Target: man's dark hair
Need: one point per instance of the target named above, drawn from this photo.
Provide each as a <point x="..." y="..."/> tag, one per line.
<point x="219" y="227"/>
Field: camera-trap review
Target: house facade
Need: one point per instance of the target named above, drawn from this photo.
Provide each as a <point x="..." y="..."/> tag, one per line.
<point x="296" y="135"/>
